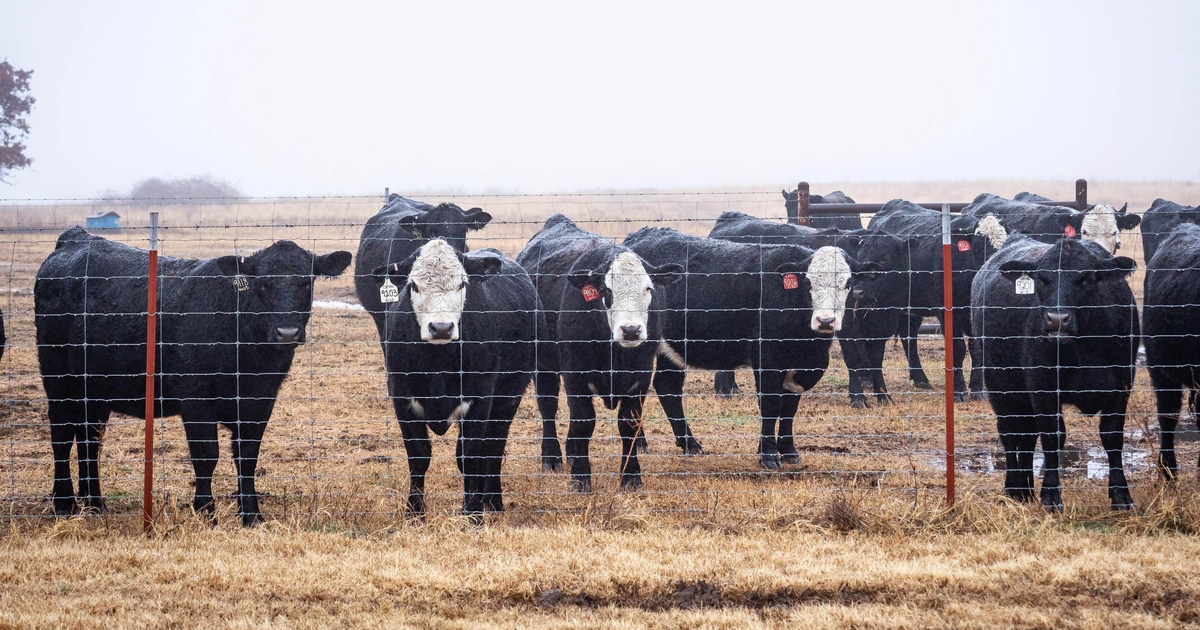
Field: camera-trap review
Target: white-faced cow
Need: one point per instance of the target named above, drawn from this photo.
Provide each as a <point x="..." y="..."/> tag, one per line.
<point x="773" y="308"/>
<point x="602" y="303"/>
<point x="460" y="348"/>
<point x="1057" y="325"/>
<point x="228" y="330"/>
<point x="396" y="231"/>
<point x="1171" y="331"/>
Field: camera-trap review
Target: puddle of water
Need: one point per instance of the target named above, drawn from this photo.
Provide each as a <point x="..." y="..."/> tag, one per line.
<point x="1093" y="463"/>
<point x="337" y="305"/>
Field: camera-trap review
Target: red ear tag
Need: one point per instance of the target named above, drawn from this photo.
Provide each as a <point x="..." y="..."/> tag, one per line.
<point x="1069" y="231"/>
<point x="790" y="281"/>
<point x="964" y="246"/>
<point x="590" y="293"/>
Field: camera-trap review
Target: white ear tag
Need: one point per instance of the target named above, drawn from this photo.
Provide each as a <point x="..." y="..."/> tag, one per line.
<point x="1024" y="285"/>
<point x="388" y="292"/>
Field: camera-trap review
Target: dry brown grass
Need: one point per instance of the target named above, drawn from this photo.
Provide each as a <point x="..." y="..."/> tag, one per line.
<point x="710" y="541"/>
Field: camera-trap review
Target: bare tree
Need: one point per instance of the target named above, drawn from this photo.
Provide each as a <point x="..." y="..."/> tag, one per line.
<point x="197" y="187"/>
<point x="15" y="103"/>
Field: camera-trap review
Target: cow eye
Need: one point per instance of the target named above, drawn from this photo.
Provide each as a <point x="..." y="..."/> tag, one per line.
<point x="649" y="289"/>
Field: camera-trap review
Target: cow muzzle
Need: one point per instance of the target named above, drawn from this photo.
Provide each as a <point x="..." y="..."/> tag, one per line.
<point x="1059" y="325"/>
<point x="286" y="334"/>
<point x="441" y="332"/>
<point x="825" y="324"/>
<point x="632" y="335"/>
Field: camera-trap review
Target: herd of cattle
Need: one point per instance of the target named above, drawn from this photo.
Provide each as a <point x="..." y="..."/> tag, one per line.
<point x="1045" y="304"/>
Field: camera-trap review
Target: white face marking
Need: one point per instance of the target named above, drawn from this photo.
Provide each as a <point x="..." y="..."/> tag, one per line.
<point x="990" y="227"/>
<point x="1100" y="226"/>
<point x="829" y="279"/>
<point x="437" y="289"/>
<point x="631" y="291"/>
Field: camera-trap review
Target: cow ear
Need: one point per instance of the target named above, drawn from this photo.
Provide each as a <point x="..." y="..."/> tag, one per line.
<point x="410" y="223"/>
<point x="784" y="193"/>
<point x="237" y="266"/>
<point x="1071" y="224"/>
<point x="1120" y="266"/>
<point x="1014" y="269"/>
<point x="1126" y="221"/>
<point x="332" y="264"/>
<point x="476" y="218"/>
<point x="398" y="272"/>
<point x="482" y="265"/>
<point x="794" y="266"/>
<point x="665" y="274"/>
<point x="580" y="279"/>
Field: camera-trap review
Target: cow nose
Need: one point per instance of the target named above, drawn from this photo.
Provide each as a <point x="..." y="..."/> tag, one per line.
<point x="287" y="334"/>
<point x="440" y="330"/>
<point x="826" y="323"/>
<point x="632" y="332"/>
<point x="1057" y="322"/>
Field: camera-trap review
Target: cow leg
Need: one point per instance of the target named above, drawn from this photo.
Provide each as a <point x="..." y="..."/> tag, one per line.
<point x="1112" y="437"/>
<point x="1018" y="435"/>
<point x="854" y="356"/>
<point x="787" y="414"/>
<point x="246" y="440"/>
<point x="629" y="425"/>
<point x="1169" y="402"/>
<point x="975" y="346"/>
<point x="768" y="407"/>
<point x="472" y="437"/>
<point x="916" y="373"/>
<point x="960" y="353"/>
<point x="87" y="444"/>
<point x="547" y="387"/>
<point x="202" y="446"/>
<point x="875" y="349"/>
<point x="579" y="437"/>
<point x="725" y="383"/>
<point x="1050" y="425"/>
<point x="498" y="427"/>
<point x="668" y="385"/>
<point x="420" y="451"/>
<point x="63" y="417"/>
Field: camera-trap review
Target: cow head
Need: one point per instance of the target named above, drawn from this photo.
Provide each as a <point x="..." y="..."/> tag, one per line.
<point x="1103" y="224"/>
<point x="274" y="289"/>
<point x="885" y="262"/>
<point x="446" y="221"/>
<point x="436" y="277"/>
<point x="1068" y="281"/>
<point x="829" y="274"/>
<point x="625" y="292"/>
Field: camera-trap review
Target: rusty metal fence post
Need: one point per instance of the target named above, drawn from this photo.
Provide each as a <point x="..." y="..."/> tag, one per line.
<point x="151" y="347"/>
<point x="948" y="338"/>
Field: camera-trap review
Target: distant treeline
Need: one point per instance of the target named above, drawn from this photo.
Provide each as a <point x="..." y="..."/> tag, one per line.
<point x="198" y="187"/>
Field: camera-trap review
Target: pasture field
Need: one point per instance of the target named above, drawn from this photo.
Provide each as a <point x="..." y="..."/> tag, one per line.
<point x="856" y="535"/>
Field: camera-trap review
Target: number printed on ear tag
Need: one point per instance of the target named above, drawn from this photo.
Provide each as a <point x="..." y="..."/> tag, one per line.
<point x="388" y="292"/>
<point x="790" y="281"/>
<point x="1024" y="285"/>
<point x="590" y="293"/>
<point x="241" y="283"/>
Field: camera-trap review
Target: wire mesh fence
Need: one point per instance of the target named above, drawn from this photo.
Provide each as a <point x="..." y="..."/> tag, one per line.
<point x="333" y="452"/>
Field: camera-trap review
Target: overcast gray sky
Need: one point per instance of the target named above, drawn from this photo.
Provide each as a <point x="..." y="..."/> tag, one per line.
<point x="345" y="98"/>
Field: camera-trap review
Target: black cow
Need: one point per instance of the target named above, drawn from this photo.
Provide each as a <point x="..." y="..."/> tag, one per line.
<point x="399" y="229"/>
<point x="3" y="339"/>
<point x="602" y="318"/>
<point x="744" y="304"/>
<point x="460" y="347"/>
<point x="228" y="330"/>
<point x="922" y="288"/>
<point x="1027" y="213"/>
<point x="791" y="203"/>
<point x="1057" y="325"/>
<point x="1160" y="220"/>
<point x="1171" y="332"/>
<point x="870" y="323"/>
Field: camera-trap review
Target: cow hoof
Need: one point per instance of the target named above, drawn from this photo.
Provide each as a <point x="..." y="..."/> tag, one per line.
<point x="551" y="463"/>
<point x="790" y="458"/>
<point x="978" y="395"/>
<point x="251" y="520"/>
<point x="1121" y="500"/>
<point x="631" y="483"/>
<point x="883" y="399"/>
<point x="858" y="403"/>
<point x="1168" y="467"/>
<point x="769" y="461"/>
<point x="642" y="445"/>
<point x="922" y="385"/>
<point x="474" y="519"/>
<point x="1052" y="501"/>
<point x="66" y="507"/>
<point x="581" y="485"/>
<point x="689" y="445"/>
<point x="960" y="397"/>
